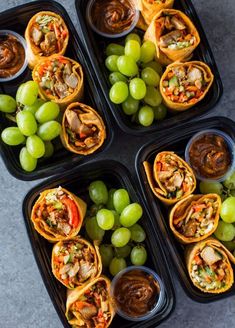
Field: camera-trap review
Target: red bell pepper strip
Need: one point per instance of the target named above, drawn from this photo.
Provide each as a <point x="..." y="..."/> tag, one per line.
<point x="72" y="211"/>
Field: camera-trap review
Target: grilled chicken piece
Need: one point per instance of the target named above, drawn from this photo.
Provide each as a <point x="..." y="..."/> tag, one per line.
<point x="177" y="179"/>
<point x="71" y="80"/>
<point x="49" y="44"/>
<point x="190" y="229"/>
<point x="178" y="24"/>
<point x="168" y="38"/>
<point x="88" y="310"/>
<point x="73" y="121"/>
<point x="210" y="256"/>
<point x="85" y="271"/>
<point x="179" y="72"/>
<point x="65" y="268"/>
<point x="90" y="142"/>
<point x="74" y="270"/>
<point x="61" y="89"/>
<point x="194" y="74"/>
<point x="67" y="69"/>
<point x="64" y="227"/>
<point x="37" y="36"/>
<point x="168" y="23"/>
<point x="163" y="175"/>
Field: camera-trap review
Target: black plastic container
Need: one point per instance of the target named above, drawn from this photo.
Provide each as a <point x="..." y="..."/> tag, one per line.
<point x="176" y="142"/>
<point x="117" y="176"/>
<point x="95" y="46"/>
<point x="16" y="19"/>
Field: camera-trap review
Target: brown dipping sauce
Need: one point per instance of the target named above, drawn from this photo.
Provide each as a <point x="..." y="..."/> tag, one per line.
<point x="113" y="16"/>
<point x="12" y="55"/>
<point x="136" y="293"/>
<point x="209" y="156"/>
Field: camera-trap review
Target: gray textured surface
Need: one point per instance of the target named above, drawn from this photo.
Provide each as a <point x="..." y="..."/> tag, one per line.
<point x="24" y="302"/>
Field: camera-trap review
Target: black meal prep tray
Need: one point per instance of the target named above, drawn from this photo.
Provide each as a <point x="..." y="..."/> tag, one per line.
<point x="16" y="19"/>
<point x="176" y="141"/>
<point x="95" y="46"/>
<point x="115" y="175"/>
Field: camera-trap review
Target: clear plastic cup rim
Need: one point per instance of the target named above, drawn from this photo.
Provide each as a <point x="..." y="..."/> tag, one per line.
<point x="159" y="303"/>
<point x="109" y="35"/>
<point x="231" y="146"/>
<point x="23" y="43"/>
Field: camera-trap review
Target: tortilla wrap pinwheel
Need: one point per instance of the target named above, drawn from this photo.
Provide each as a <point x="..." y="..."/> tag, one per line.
<point x="209" y="267"/>
<point x="60" y="79"/>
<point x="183" y="85"/>
<point x="58" y="214"/>
<point x="90" y="305"/>
<point x="83" y="129"/>
<point x="195" y="218"/>
<point x="75" y="261"/>
<point x="46" y="34"/>
<point x="174" y="36"/>
<point x="170" y="178"/>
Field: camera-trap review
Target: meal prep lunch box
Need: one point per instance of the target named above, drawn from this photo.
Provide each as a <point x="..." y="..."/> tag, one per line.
<point x="16" y="19"/>
<point x="77" y="180"/>
<point x="176" y="141"/>
<point x="95" y="46"/>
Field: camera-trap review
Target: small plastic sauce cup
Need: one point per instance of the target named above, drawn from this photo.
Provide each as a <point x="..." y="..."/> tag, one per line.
<point x="22" y="41"/>
<point x="109" y="35"/>
<point x="160" y="297"/>
<point x="231" y="148"/>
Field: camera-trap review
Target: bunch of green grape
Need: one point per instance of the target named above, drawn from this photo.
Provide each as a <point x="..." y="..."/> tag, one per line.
<point x="114" y="218"/>
<point x="36" y="124"/>
<point x="225" y="231"/>
<point x="135" y="77"/>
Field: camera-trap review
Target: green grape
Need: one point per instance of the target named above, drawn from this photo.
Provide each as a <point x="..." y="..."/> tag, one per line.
<point x="47" y="112"/>
<point x="153" y="96"/>
<point x="127" y="66"/>
<point x="227" y="211"/>
<point x="98" y="192"/>
<point x="27" y="162"/>
<point x="114" y="49"/>
<point x="7" y="104"/>
<point x="150" y="77"/>
<point x="210" y="187"/>
<point x="123" y="251"/>
<point x="106" y="253"/>
<point x="154" y="65"/>
<point x="93" y="230"/>
<point x="230" y="181"/>
<point x="132" y="49"/>
<point x="12" y="136"/>
<point x="230" y="245"/>
<point x="133" y="36"/>
<point x="26" y="123"/>
<point x="35" y="146"/>
<point x="147" y="51"/>
<point x="131" y="214"/>
<point x="49" y="149"/>
<point x="130" y="106"/>
<point x="111" y="63"/>
<point x="137" y="88"/>
<point x="117" y="265"/>
<point x="109" y="204"/>
<point x="49" y="130"/>
<point x="28" y="93"/>
<point x="120" y="237"/>
<point x="160" y="112"/>
<point x="18" y="92"/>
<point x="117" y="223"/>
<point x="138" y="255"/>
<point x="146" y="116"/>
<point x="118" y="92"/>
<point x="34" y="107"/>
<point x="225" y="231"/>
<point x="117" y="77"/>
<point x="137" y="233"/>
<point x="121" y="199"/>
<point x="105" y="219"/>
